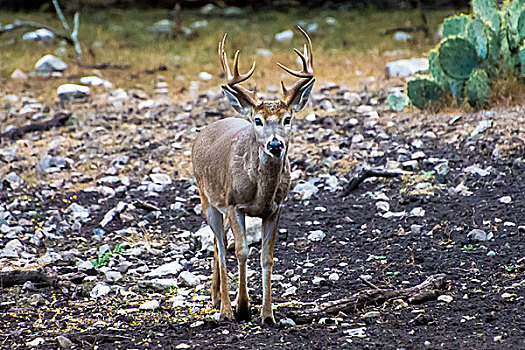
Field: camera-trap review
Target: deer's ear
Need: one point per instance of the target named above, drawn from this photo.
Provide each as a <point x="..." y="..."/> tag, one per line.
<point x="241" y="105"/>
<point x="300" y="99"/>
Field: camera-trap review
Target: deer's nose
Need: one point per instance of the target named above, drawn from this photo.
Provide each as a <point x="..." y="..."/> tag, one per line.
<point x="275" y="146"/>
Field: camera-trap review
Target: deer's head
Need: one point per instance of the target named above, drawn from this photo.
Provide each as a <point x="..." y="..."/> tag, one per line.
<point x="271" y="120"/>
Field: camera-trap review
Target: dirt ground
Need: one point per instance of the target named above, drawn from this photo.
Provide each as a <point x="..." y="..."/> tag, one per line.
<point x="392" y="232"/>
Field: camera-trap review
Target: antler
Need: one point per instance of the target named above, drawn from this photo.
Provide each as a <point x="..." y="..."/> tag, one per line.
<point x="234" y="79"/>
<point x="305" y="75"/>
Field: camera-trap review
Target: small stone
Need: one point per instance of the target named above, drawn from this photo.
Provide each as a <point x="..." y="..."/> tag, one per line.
<point x="305" y="189"/>
<point x="160" y="179"/>
<point x="96" y="81"/>
<point x="316" y="235"/>
<point x="382" y="206"/>
<point x="480" y="235"/>
<point x="371" y="314"/>
<point x="491" y="253"/>
<point x="35" y="342"/>
<point x="442" y="168"/>
<point x="284" y="36"/>
<point x="404" y="68"/>
<point x="264" y="52"/>
<point x="160" y="284"/>
<point x="50" y="63"/>
<point x="150" y="305"/>
<point x="73" y="92"/>
<point x="317" y="280"/>
<point x="112" y="276"/>
<point x="188" y="279"/>
<point x="482" y="126"/>
<point x="356" y="332"/>
<point x="417" y="212"/>
<point x="99" y="290"/>
<point x="64" y="342"/>
<point x="205" y="76"/>
<point x="333" y="277"/>
<point x="18" y="75"/>
<point x="445" y="298"/>
<point x="13" y="180"/>
<point x="402" y="36"/>
<point x="35" y="300"/>
<point x="507" y="296"/>
<point x="415" y="229"/>
<point x="505" y="199"/>
<point x="184" y="345"/>
<point x="172" y="268"/>
<point x="287" y="322"/>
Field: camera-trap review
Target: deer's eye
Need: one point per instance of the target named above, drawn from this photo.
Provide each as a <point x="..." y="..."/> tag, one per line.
<point x="258" y="122"/>
<point x="287" y="121"/>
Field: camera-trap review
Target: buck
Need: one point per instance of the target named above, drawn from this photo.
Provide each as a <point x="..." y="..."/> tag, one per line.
<point x="242" y="168"/>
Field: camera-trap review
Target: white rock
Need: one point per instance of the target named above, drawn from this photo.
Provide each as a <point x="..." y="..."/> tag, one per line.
<point x="482" y="126"/>
<point x="99" y="290"/>
<point x="445" y="298"/>
<point x="112" y="276"/>
<point x="35" y="342"/>
<point x="8" y="154"/>
<point x="64" y="342"/>
<point x="305" y="189"/>
<point x="73" y="90"/>
<point x="505" y="199"/>
<point x="402" y="36"/>
<point x="159" y="283"/>
<point x="382" y="206"/>
<point x="316" y="235"/>
<point x="150" y="305"/>
<point x="184" y="345"/>
<point x="18" y="75"/>
<point x="264" y="52"/>
<point x="404" y="68"/>
<point x="284" y="36"/>
<point x="188" y="279"/>
<point x="334" y="276"/>
<point x="417" y="212"/>
<point x="371" y="314"/>
<point x="41" y="34"/>
<point x="50" y="63"/>
<point x="160" y="179"/>
<point x="96" y="81"/>
<point x="172" y="268"/>
<point x="205" y="76"/>
<point x="356" y="332"/>
<point x="199" y="24"/>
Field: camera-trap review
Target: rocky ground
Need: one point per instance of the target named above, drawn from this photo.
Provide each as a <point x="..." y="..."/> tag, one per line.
<point x="101" y="219"/>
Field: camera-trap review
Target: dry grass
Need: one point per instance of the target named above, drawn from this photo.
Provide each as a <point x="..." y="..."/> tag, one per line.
<point x="347" y="52"/>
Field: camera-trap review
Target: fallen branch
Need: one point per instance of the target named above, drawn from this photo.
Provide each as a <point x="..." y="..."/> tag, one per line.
<point x="430" y="289"/>
<point x="34" y="25"/>
<point x="73" y="33"/>
<point x="46" y="275"/>
<point x="377" y="172"/>
<point x="58" y="120"/>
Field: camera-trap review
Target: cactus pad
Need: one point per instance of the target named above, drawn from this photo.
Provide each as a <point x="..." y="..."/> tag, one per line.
<point x="457" y="57"/>
<point x="477" y="36"/>
<point x="423" y="91"/>
<point x="477" y="88"/>
<point x="456" y="25"/>
<point x="487" y="11"/>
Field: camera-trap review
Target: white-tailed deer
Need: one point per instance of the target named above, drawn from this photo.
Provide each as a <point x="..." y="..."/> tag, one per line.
<point x="242" y="168"/>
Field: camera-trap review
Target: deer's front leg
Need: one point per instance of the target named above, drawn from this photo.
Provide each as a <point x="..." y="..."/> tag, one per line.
<point x="238" y="226"/>
<point x="215" y="220"/>
<point x="269" y="234"/>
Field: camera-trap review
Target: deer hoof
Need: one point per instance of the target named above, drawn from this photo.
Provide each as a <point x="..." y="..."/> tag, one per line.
<point x="268" y="321"/>
<point x="242" y="313"/>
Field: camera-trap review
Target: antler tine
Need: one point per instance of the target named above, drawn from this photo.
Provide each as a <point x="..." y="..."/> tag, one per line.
<point x="236" y="77"/>
<point x="306" y="74"/>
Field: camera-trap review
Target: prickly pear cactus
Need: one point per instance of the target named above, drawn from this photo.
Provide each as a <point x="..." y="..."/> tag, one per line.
<point x="477" y="88"/>
<point x="487" y="11"/>
<point x="423" y="91"/>
<point x="457" y="57"/>
<point x="456" y="25"/>
<point x="475" y="50"/>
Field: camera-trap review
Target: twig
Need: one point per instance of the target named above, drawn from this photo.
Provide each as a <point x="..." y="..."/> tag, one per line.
<point x="61" y="16"/>
<point x="58" y="120"/>
<point x="34" y="25"/>
<point x="146" y="206"/>
<point x="429" y="289"/>
<point x="377" y="172"/>
<point x="368" y="283"/>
